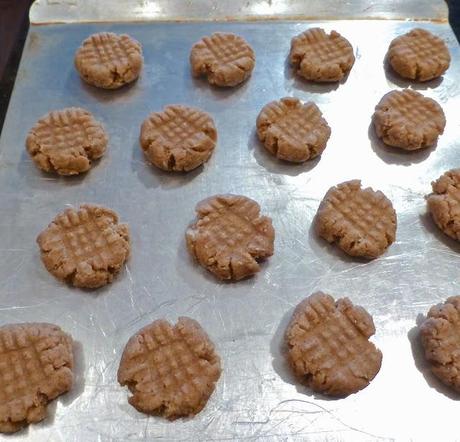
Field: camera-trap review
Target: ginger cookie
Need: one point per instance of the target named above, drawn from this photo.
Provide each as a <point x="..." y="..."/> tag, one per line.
<point x="321" y="57"/>
<point x="408" y="120"/>
<point x="419" y="55"/>
<point x="444" y="203"/>
<point x="293" y="131"/>
<point x="440" y="336"/>
<point x="178" y="139"/>
<point x="329" y="348"/>
<point x="108" y="60"/>
<point x="170" y="370"/>
<point x="66" y="141"/>
<point x="230" y="236"/>
<point x="85" y="247"/>
<point x="362" y="222"/>
<point x="36" y="362"/>
<point x="225" y="59"/>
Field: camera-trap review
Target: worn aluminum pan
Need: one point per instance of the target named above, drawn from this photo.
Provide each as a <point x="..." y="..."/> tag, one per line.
<point x="71" y="11"/>
<point x="256" y="397"/>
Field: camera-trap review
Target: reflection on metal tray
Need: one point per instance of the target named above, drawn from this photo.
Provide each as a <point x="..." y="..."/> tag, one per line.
<point x="78" y="11"/>
<point x="256" y="396"/>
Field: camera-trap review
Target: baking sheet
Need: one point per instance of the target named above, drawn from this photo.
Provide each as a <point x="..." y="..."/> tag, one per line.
<point x="256" y="397"/>
<point x="71" y="11"/>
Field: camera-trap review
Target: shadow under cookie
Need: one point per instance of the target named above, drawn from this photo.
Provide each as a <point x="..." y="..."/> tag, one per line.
<point x="320" y="245"/>
<point x="300" y="83"/>
<point x="423" y="365"/>
<point x="219" y="92"/>
<point x="151" y="176"/>
<point x="76" y="85"/>
<point x="273" y="164"/>
<point x="429" y="224"/>
<point x="198" y="278"/>
<point x="401" y="82"/>
<point x="395" y="155"/>
<point x="79" y="375"/>
<point x="49" y="181"/>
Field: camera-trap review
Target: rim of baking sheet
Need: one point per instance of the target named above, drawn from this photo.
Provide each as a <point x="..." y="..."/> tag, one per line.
<point x="84" y="11"/>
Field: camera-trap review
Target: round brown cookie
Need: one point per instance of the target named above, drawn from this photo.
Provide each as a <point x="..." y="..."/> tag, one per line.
<point x="293" y="131"/>
<point x="361" y="221"/>
<point x="230" y="236"/>
<point x="179" y="139"/>
<point x="444" y="203"/>
<point x="170" y="370"/>
<point x="225" y="59"/>
<point x="440" y="335"/>
<point x="321" y="57"/>
<point x="328" y="345"/>
<point x="108" y="60"/>
<point x="85" y="247"/>
<point x="408" y="120"/>
<point x="66" y="141"/>
<point x="36" y="362"/>
<point x="419" y="55"/>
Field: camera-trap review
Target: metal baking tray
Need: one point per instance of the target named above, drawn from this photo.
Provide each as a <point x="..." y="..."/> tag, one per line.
<point x="256" y="397"/>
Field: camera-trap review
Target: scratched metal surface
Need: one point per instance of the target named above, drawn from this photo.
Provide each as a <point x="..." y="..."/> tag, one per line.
<point x="256" y="396"/>
<point x="71" y="11"/>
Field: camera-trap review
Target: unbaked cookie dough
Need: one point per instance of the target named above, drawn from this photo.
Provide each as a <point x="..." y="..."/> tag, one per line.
<point x="318" y="56"/>
<point x="85" y="247"/>
<point x="36" y="363"/>
<point x="408" y="120"/>
<point x="179" y="138"/>
<point x="109" y="60"/>
<point x="225" y="59"/>
<point x="444" y="203"/>
<point x="419" y="55"/>
<point x="440" y="336"/>
<point x="230" y="236"/>
<point x="293" y="131"/>
<point x="170" y="370"/>
<point x="362" y="222"/>
<point x="328" y="345"/>
<point x="66" y="141"/>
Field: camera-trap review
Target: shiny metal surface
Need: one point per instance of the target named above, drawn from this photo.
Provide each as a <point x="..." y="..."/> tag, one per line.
<point x="256" y="397"/>
<point x="71" y="11"/>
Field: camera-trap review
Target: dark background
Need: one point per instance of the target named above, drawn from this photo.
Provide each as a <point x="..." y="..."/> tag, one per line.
<point x="14" y="24"/>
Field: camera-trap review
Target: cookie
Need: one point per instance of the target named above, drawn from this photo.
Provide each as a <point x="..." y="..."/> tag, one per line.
<point x="419" y="55"/>
<point x="178" y="139"/>
<point x="440" y="336"/>
<point x="408" y="120"/>
<point x="36" y="362"/>
<point x="362" y="222"/>
<point x="66" y="141"/>
<point x="85" y="247"/>
<point x="293" y="131"/>
<point x="321" y="57"/>
<point x="444" y="203"/>
<point x="109" y="60"/>
<point x="329" y="348"/>
<point x="225" y="59"/>
<point x="230" y="236"/>
<point x="170" y="370"/>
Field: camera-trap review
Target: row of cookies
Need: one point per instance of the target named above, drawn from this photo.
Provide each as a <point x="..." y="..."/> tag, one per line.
<point x="170" y="370"/>
<point x="173" y="370"/>
<point x="181" y="138"/>
<point x="109" y="61"/>
<point x="87" y="247"/>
